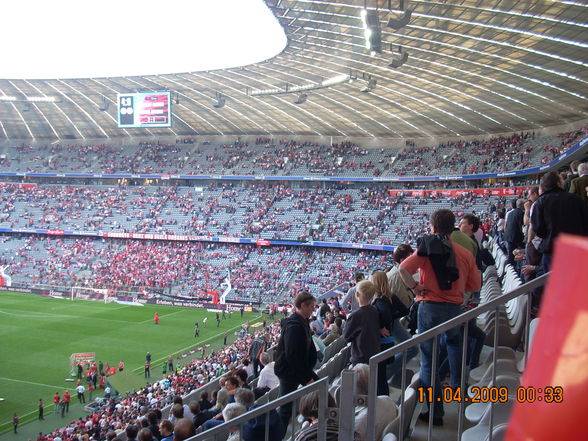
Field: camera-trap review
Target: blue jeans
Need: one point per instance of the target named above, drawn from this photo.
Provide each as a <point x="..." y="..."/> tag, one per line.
<point x="399" y="334"/>
<point x="431" y="315"/>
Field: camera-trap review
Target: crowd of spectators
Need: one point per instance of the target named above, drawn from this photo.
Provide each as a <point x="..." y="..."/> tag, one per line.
<point x="189" y="269"/>
<point x="288" y="157"/>
<point x="272" y="211"/>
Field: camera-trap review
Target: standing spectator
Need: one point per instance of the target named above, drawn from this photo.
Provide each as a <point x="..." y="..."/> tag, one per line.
<point x="81" y="390"/>
<point x="296" y="353"/>
<point x="349" y="303"/>
<point x="387" y="313"/>
<point x="579" y="186"/>
<point x="258" y="346"/>
<point x="147" y="369"/>
<point x="15" y="422"/>
<point x="513" y="229"/>
<point x="573" y="174"/>
<point x="90" y="391"/>
<point x="67" y="399"/>
<point x="41" y="407"/>
<point x="170" y="363"/>
<point x="225" y="337"/>
<point x="218" y="320"/>
<point x="156" y="318"/>
<point x="56" y="400"/>
<point x="446" y="271"/>
<point x="363" y="327"/>
<point x="62" y="405"/>
<point x="556" y="212"/>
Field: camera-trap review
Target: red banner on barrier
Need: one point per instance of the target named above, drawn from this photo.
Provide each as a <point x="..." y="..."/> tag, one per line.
<point x="509" y="191"/>
<point x="551" y="402"/>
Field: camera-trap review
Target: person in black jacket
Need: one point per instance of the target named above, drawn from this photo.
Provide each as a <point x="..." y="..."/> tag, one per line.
<point x="556" y="212"/>
<point x="513" y="229"/>
<point x="296" y="353"/>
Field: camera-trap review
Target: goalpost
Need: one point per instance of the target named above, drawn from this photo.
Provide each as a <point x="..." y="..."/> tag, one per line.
<point x="77" y="357"/>
<point x="85" y="293"/>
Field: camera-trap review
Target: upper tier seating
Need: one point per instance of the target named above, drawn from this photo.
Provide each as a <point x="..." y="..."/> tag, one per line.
<point x="291" y="158"/>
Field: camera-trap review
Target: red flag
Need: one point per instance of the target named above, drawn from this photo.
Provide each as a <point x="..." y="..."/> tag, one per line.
<point x="559" y="357"/>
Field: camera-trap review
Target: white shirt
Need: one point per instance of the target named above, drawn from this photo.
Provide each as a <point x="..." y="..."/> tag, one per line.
<point x="80" y="389"/>
<point x="267" y="377"/>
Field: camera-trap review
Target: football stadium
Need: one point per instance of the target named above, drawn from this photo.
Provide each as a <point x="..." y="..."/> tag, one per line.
<point x="293" y="219"/>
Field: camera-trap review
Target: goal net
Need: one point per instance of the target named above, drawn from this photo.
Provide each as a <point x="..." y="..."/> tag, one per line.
<point x="85" y="293"/>
<point x="77" y="357"/>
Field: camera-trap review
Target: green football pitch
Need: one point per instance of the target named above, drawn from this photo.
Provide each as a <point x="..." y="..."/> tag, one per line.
<point x="38" y="335"/>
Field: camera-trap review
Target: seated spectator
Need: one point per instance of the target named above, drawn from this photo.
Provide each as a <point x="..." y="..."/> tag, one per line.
<point x="241" y="375"/>
<point x="132" y="431"/>
<point x="166" y="428"/>
<point x="335" y="331"/>
<point x="199" y="416"/>
<point x="233" y="410"/>
<point x="267" y="378"/>
<point x="204" y="403"/>
<point x="308" y="408"/>
<point x="146" y="435"/>
<point x="386" y="409"/>
<point x="176" y="413"/>
<point x="248" y="367"/>
<point x="254" y="429"/>
<point x="184" y="429"/>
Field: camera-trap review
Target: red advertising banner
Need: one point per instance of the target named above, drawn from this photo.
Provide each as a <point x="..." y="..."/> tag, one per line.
<point x="508" y="191"/>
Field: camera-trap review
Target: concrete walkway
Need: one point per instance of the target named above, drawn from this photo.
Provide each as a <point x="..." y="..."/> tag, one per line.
<point x="30" y="431"/>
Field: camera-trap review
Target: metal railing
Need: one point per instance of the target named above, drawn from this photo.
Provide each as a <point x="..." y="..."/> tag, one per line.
<point x="492" y="305"/>
<point x="322" y="386"/>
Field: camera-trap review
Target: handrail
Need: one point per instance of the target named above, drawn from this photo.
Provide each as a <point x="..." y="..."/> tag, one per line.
<point x="439" y="329"/>
<point x="321" y="385"/>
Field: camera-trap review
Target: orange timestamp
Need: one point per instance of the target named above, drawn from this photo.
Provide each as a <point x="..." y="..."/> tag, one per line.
<point x="493" y="394"/>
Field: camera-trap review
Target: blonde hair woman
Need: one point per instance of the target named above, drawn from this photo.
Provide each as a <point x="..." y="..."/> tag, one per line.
<point x="386" y="314"/>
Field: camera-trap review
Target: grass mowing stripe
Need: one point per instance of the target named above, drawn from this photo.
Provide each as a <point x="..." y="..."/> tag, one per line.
<point x="60" y="316"/>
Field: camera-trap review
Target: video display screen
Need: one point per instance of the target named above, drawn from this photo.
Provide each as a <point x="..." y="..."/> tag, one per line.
<point x="144" y="109"/>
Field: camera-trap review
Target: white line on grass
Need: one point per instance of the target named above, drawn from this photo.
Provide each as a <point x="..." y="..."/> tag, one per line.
<point x="32" y="382"/>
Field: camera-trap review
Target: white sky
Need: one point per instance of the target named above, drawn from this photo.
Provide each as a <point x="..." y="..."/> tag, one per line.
<point x="44" y="39"/>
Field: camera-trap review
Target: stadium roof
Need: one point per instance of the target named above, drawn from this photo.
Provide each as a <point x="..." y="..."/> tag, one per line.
<point x="459" y="67"/>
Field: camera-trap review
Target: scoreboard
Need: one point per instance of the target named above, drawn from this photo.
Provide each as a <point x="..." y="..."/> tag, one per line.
<point x="144" y="109"/>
